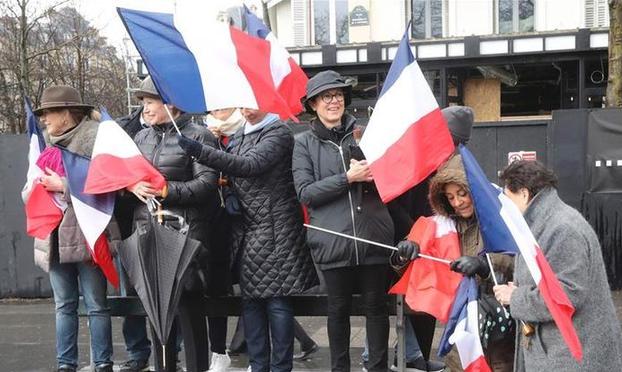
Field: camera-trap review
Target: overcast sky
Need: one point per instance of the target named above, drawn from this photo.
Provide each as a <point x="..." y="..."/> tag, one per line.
<point x="103" y="15"/>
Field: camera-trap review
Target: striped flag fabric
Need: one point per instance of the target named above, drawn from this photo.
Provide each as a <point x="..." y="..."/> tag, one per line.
<point x="200" y="65"/>
<point x="93" y="213"/>
<point x="289" y="79"/>
<point x="116" y="161"/>
<point x="407" y="137"/>
<point x="430" y="286"/>
<point x="504" y="229"/>
<point x="462" y="329"/>
<point x="43" y="210"/>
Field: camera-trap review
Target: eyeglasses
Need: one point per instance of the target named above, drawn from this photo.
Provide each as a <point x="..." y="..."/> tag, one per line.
<point x="328" y="98"/>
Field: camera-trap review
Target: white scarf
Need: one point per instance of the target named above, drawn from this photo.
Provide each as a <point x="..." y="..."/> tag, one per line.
<point x="229" y="126"/>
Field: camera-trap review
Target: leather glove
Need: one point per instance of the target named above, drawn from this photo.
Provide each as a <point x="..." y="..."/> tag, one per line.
<point x="408" y="250"/>
<point x="190" y="146"/>
<point x="471" y="265"/>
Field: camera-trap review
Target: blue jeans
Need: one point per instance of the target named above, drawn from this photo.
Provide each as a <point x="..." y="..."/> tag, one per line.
<point x="264" y="319"/>
<point x="64" y="279"/>
<point x="137" y="343"/>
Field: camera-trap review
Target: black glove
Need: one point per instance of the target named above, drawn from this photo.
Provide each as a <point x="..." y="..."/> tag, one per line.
<point x="190" y="146"/>
<point x="471" y="265"/>
<point x="408" y="250"/>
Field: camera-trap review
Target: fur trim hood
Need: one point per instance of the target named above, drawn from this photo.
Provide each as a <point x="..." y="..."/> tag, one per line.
<point x="450" y="172"/>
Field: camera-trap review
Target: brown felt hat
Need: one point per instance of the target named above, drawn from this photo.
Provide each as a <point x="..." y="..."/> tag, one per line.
<point x="60" y="97"/>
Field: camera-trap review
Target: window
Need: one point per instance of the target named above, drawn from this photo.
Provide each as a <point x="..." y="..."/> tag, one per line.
<point x="427" y="19"/>
<point x="596" y="13"/>
<point x="515" y="16"/>
<point x="330" y="22"/>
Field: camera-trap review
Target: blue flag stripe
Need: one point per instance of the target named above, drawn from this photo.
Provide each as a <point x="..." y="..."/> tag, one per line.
<point x="403" y="58"/>
<point x="254" y="25"/>
<point x="77" y="168"/>
<point x="32" y="123"/>
<point x="467" y="291"/>
<point x="495" y="233"/>
<point x="171" y="64"/>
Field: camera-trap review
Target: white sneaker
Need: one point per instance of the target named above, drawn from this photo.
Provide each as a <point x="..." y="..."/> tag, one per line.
<point x="219" y="363"/>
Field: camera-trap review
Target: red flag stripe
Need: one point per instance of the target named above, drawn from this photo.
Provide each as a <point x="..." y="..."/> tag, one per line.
<point x="558" y="304"/>
<point x="413" y="157"/>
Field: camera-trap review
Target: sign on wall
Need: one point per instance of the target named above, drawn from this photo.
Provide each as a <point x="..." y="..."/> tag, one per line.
<point x="521" y="155"/>
<point x="359" y="16"/>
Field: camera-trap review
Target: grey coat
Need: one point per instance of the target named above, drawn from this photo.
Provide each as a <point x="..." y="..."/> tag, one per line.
<point x="572" y="249"/>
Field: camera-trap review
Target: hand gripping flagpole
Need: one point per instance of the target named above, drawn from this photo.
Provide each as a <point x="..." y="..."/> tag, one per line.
<point x="373" y="243"/>
<point x="172" y="120"/>
<point x="494" y="279"/>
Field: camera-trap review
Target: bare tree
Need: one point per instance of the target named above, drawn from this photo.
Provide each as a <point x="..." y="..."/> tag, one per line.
<point x="53" y="46"/>
<point x="614" y="82"/>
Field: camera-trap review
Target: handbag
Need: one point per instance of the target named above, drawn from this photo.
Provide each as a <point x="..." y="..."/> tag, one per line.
<point x="495" y="324"/>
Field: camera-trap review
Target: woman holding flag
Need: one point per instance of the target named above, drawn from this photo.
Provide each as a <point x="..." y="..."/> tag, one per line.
<point x="571" y="247"/>
<point x="328" y="167"/>
<point x="450" y="196"/>
<point x="72" y="125"/>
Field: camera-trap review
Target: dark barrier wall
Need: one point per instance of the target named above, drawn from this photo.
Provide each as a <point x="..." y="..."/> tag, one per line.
<point x="561" y="143"/>
<point x="19" y="277"/>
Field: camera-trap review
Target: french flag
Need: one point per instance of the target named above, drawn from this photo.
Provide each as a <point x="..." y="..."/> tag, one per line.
<point x="430" y="286"/>
<point x="407" y="137"/>
<point x="116" y="161"/>
<point x="43" y="211"/>
<point x="199" y="65"/>
<point x="288" y="77"/>
<point x="504" y="230"/>
<point x="93" y="213"/>
<point x="462" y="329"/>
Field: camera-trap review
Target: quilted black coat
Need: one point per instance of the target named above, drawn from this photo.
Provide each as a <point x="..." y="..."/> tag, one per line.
<point x="192" y="186"/>
<point x="320" y="162"/>
<point x="273" y="258"/>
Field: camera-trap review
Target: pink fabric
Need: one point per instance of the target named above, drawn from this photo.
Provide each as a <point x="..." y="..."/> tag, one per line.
<point x="51" y="158"/>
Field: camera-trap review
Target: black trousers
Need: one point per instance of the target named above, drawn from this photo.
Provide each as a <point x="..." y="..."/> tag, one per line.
<point x="371" y="282"/>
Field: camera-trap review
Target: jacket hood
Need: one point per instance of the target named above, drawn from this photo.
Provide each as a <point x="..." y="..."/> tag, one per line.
<point x="450" y="172"/>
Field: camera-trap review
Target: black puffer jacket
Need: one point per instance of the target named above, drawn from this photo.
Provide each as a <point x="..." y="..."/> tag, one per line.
<point x="274" y="261"/>
<point x="191" y="186"/>
<point x="320" y="162"/>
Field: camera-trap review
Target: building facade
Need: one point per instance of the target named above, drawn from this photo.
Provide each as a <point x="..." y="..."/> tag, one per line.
<point x="508" y="59"/>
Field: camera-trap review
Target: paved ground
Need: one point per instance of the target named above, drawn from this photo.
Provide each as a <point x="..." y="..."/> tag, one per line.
<point x="27" y="338"/>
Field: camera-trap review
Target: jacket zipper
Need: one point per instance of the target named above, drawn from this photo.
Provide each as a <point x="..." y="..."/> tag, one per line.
<point x="343" y="162"/>
<point x="158" y="150"/>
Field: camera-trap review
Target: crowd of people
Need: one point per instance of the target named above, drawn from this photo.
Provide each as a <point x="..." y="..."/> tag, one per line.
<point x="245" y="184"/>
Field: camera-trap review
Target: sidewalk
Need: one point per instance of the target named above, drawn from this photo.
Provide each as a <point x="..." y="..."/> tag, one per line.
<point x="27" y="340"/>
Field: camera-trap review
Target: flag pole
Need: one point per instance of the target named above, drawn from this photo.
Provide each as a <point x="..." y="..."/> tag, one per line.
<point x="172" y="120"/>
<point x="373" y="243"/>
<point x="494" y="279"/>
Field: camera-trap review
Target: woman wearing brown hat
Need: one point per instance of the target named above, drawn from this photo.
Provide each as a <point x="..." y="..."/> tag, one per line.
<point x="72" y="124"/>
<point x="328" y="168"/>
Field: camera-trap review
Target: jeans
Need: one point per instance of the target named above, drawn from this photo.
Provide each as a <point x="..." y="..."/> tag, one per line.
<point x="412" y="351"/>
<point x="371" y="281"/>
<point x="265" y="319"/>
<point x="137" y="343"/>
<point x="64" y="279"/>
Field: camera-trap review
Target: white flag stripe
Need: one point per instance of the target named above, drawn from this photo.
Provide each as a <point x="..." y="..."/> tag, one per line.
<point x="34" y="171"/>
<point x="279" y="60"/>
<point x="223" y="81"/>
<point x="466" y="336"/>
<point x="444" y="226"/>
<point x="92" y="222"/>
<point x="407" y="100"/>
<point x="523" y="236"/>
<point x="115" y="137"/>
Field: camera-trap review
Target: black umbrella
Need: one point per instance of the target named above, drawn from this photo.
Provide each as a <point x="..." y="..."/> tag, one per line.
<point x="156" y="258"/>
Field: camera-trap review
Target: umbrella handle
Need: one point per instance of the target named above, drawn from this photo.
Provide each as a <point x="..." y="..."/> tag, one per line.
<point x="160" y="213"/>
